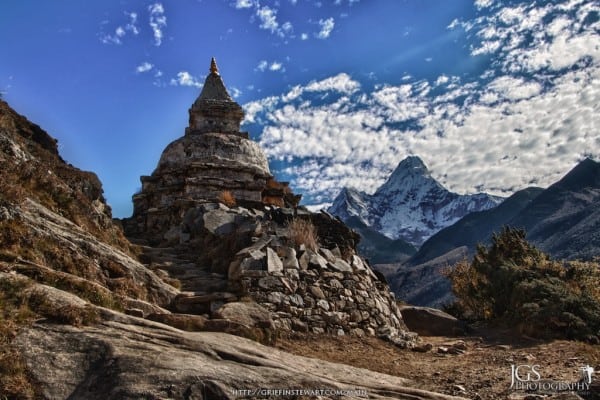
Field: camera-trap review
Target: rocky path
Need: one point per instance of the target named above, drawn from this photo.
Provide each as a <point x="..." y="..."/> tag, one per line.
<point x="202" y="291"/>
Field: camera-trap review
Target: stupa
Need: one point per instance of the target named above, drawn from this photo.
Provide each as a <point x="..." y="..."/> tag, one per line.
<point x="212" y="160"/>
<point x="278" y="266"/>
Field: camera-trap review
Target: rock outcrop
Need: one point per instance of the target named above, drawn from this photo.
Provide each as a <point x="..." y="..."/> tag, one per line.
<point x="432" y="322"/>
<point x="130" y="358"/>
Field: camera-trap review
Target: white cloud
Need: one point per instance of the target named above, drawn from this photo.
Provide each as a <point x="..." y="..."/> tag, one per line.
<point x="530" y="117"/>
<point x="184" y="78"/>
<point x="496" y="147"/>
<point x="121" y="31"/>
<point x="235" y="92"/>
<point x="304" y="36"/>
<point x="244" y="4"/>
<point x="255" y="109"/>
<point x="515" y="88"/>
<point x="132" y="25"/>
<point x="275" y="66"/>
<point x="483" y="3"/>
<point x="441" y="80"/>
<point x="342" y="83"/>
<point x="326" y="28"/>
<point x="268" y="18"/>
<point x="158" y="21"/>
<point x="144" y="67"/>
<point x="533" y="37"/>
<point x="287" y="27"/>
<point x="262" y="65"/>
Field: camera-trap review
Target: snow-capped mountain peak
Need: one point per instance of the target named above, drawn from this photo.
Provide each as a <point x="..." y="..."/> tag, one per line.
<point x="351" y="203"/>
<point x="410" y="176"/>
<point x="410" y="205"/>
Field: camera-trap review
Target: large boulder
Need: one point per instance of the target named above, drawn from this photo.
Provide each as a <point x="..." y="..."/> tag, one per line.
<point x="246" y="313"/>
<point x="431" y="322"/>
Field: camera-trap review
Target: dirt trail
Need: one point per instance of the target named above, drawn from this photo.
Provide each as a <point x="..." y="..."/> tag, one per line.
<point x="481" y="371"/>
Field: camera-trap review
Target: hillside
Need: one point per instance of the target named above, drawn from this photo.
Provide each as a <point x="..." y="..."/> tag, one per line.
<point x="378" y="248"/>
<point x="564" y="220"/>
<point x="561" y="220"/>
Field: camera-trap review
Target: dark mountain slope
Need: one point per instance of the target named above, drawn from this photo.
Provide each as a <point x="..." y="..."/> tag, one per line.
<point x="475" y="228"/>
<point x="378" y="248"/>
<point x="564" y="220"/>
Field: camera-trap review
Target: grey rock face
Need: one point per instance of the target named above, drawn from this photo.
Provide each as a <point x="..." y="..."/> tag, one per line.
<point x="71" y="238"/>
<point x="274" y="264"/>
<point x="130" y="358"/>
<point x="246" y="313"/>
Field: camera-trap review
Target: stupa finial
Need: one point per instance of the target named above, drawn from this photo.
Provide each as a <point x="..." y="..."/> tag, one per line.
<point x="213" y="66"/>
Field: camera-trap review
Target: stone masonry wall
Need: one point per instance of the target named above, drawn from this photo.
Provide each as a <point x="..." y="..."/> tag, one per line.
<point x="327" y="289"/>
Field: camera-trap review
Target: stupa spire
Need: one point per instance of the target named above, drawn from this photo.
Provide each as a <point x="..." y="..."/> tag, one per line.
<point x="214" y="110"/>
<point x="213" y="66"/>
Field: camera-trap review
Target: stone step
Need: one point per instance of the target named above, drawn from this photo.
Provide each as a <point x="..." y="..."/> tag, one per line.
<point x="168" y="258"/>
<point x="158" y="250"/>
<point x="208" y="285"/>
<point x="177" y="268"/>
<point x="139" y="242"/>
<point x="186" y="298"/>
<point x="204" y="303"/>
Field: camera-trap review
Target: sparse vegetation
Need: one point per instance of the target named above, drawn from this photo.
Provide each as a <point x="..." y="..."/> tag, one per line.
<point x="47" y="260"/>
<point x="302" y="231"/>
<point x="515" y="283"/>
<point x="227" y="198"/>
<point x="66" y="314"/>
<point x="14" y="312"/>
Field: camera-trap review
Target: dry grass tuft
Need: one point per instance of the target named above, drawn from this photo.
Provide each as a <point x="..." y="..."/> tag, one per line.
<point x="302" y="231"/>
<point x="227" y="198"/>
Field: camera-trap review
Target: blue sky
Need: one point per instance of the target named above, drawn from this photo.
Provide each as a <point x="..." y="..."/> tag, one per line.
<point x="494" y="96"/>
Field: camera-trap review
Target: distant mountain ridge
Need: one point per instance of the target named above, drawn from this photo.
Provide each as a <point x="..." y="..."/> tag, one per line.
<point x="474" y="228"/>
<point x="562" y="220"/>
<point x="411" y="205"/>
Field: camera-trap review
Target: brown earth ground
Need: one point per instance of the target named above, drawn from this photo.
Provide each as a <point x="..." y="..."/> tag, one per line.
<point x="483" y="371"/>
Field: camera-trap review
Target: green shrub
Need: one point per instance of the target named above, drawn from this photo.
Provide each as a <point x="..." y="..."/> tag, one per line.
<point x="515" y="283"/>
